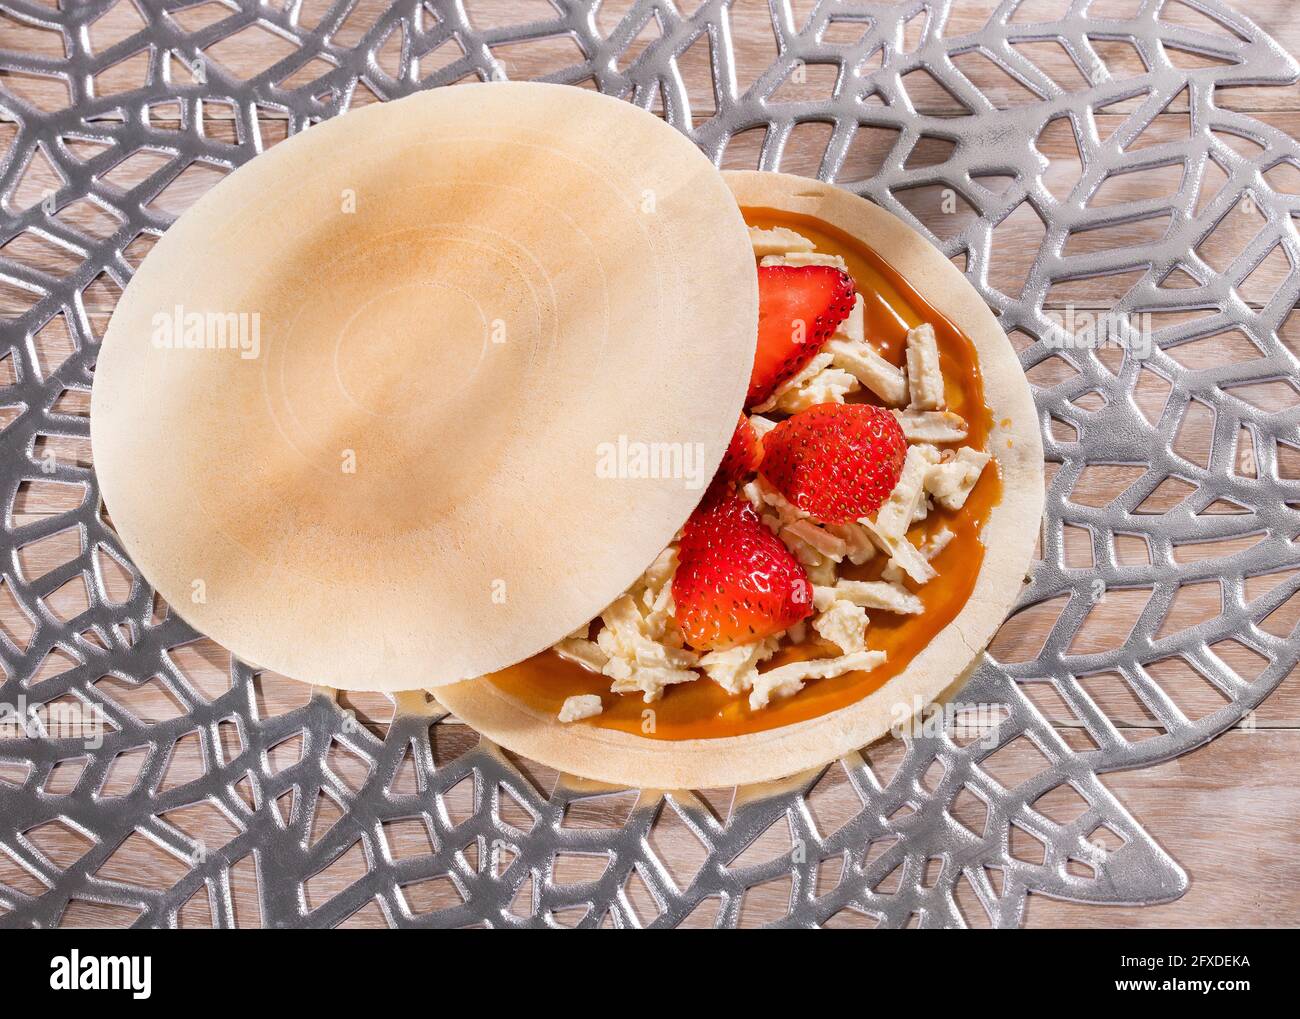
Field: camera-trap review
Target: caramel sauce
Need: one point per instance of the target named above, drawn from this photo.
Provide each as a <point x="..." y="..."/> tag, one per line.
<point x="703" y="709"/>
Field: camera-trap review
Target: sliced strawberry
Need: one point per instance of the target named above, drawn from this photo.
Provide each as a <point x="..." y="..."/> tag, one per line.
<point x="735" y="582"/>
<point x="799" y="307"/>
<point x="835" y="461"/>
<point x="744" y="453"/>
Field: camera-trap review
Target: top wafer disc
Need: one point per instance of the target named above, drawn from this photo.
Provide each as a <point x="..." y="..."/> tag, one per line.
<point x="419" y="391"/>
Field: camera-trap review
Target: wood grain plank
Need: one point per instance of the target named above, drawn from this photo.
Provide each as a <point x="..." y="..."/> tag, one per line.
<point x="253" y="49"/>
<point x="1228" y="814"/>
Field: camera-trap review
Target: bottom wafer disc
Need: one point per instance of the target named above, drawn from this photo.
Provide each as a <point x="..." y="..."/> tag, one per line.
<point x="728" y="745"/>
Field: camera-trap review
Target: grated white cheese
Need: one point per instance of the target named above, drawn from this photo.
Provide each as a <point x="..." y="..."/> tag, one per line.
<point x="871" y="370"/>
<point x="649" y="681"/>
<point x="821" y="573"/>
<point x="924" y="377"/>
<point x="909" y="560"/>
<point x="853" y="329"/>
<point x="830" y="385"/>
<point x="903" y="557"/>
<point x="897" y="512"/>
<point x="851" y="352"/>
<point x="786" y="680"/>
<point x="858" y="547"/>
<point x="931" y="425"/>
<point x="637" y="662"/>
<point x="778" y="240"/>
<point x="951" y="482"/>
<point x="805" y="258"/>
<point x="819" y="361"/>
<point x="586" y="653"/>
<point x="843" y="624"/>
<point x="823" y="541"/>
<point x="654" y="593"/>
<point x="937" y="542"/>
<point x="870" y="594"/>
<point x="809" y="558"/>
<point x="786" y="510"/>
<point x="735" y="668"/>
<point x="580" y="706"/>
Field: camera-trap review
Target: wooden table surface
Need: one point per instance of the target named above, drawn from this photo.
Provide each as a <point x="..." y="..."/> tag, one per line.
<point x="1228" y="813"/>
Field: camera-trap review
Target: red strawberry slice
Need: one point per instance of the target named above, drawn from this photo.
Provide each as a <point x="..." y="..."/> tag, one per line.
<point x="836" y="461"/>
<point x="744" y="453"/>
<point x="799" y="307"/>
<point x="736" y="582"/>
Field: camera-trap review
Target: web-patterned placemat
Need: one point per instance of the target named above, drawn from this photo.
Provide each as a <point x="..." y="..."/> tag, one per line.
<point x="237" y="795"/>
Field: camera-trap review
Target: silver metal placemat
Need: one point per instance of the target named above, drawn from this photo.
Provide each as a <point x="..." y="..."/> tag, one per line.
<point x="260" y="811"/>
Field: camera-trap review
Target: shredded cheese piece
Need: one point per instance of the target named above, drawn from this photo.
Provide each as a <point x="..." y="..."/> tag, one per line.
<point x="808" y="556"/>
<point x="799" y="533"/>
<point x="655" y="592"/>
<point x="858" y="546"/>
<point x="931" y="425"/>
<point x="950" y="483"/>
<point x="924" y="376"/>
<point x="909" y="560"/>
<point x="819" y="361"/>
<point x="787" y="510"/>
<point x="580" y="706"/>
<point x="903" y="556"/>
<point x="736" y="668"/>
<point x="805" y="258"/>
<point x="895" y="516"/>
<point x="637" y="662"/>
<point x="937" y="542"/>
<point x="870" y="594"/>
<point x="648" y="680"/>
<point x="786" y="680"/>
<point x="586" y="653"/>
<point x="844" y="624"/>
<point x="853" y="330"/>
<point x="830" y="385"/>
<point x="779" y="240"/>
<point x="851" y="352"/>
<point x="822" y="572"/>
<point x="823" y="541"/>
<point x="871" y="370"/>
<point x="816" y="383"/>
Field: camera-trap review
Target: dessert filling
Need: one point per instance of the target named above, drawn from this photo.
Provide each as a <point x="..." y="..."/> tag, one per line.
<point x="841" y="534"/>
